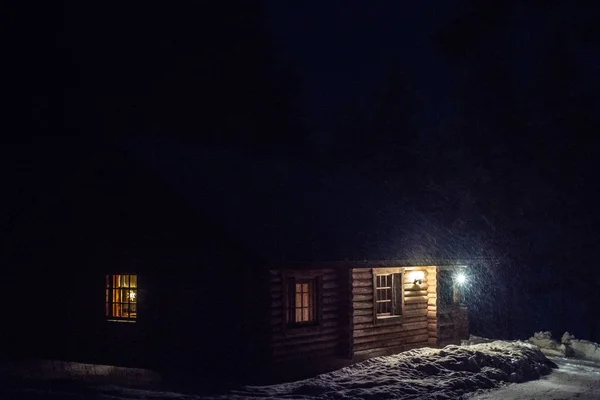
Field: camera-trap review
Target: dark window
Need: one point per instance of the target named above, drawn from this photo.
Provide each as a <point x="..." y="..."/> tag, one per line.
<point x="302" y="302"/>
<point x="388" y="294"/>
<point x="121" y="297"/>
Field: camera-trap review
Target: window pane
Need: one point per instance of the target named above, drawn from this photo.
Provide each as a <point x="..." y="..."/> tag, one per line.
<point x="121" y="296"/>
<point x="301" y="301"/>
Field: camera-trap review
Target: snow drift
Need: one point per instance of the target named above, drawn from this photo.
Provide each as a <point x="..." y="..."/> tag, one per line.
<point x="569" y="346"/>
<point x="422" y="373"/>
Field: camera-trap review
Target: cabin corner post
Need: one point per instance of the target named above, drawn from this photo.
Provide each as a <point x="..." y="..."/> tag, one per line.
<point x="350" y="314"/>
<point x="432" y="306"/>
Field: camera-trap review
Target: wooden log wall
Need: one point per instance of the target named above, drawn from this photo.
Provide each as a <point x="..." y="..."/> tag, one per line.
<point x="411" y="330"/>
<point x="432" y="306"/>
<point x="329" y="338"/>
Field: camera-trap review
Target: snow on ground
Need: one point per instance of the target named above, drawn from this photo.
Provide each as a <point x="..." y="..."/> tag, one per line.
<point x="41" y="370"/>
<point x="484" y="370"/>
<point x="574" y="379"/>
<point x="569" y="346"/>
<point x="426" y="373"/>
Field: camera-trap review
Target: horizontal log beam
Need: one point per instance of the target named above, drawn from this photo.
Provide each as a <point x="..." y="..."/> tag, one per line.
<point x="392" y="342"/>
<point x="362" y="282"/>
<point x="415" y="306"/>
<point x="362" y="275"/>
<point x="363" y="319"/>
<point x="410" y="286"/>
<point x="366" y="329"/>
<point x="417" y="318"/>
<point x="390" y="336"/>
<point x="416" y="299"/>
<point x="415" y="313"/>
<point x="413" y="293"/>
<point x="291" y="341"/>
<point x="362" y="304"/>
<point x="331" y="307"/>
<point x="363" y="311"/>
<point x="331" y="285"/>
<point x="390" y="350"/>
<point x="362" y="290"/>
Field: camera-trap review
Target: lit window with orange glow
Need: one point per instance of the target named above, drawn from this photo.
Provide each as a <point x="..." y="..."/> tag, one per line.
<point x="302" y="302"/>
<point x="121" y="297"/>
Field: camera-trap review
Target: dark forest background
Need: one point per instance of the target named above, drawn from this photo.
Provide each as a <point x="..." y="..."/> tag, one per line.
<point x="515" y="166"/>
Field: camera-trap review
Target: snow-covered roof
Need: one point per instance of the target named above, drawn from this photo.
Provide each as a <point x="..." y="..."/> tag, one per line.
<point x="295" y="211"/>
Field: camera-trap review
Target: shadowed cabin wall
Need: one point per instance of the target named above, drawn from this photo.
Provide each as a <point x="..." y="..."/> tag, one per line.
<point x="453" y="324"/>
<point x="452" y="314"/>
<point x="416" y="327"/>
<point x="326" y="340"/>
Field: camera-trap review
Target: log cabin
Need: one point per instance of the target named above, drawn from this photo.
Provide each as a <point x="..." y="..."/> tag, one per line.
<point x="183" y="259"/>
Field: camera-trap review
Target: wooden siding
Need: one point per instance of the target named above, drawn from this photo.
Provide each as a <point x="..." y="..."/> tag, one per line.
<point x="371" y="337"/>
<point x="327" y="339"/>
<point x="432" y="307"/>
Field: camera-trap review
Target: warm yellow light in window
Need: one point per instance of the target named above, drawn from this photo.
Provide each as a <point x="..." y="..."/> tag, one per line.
<point x="121" y="297"/>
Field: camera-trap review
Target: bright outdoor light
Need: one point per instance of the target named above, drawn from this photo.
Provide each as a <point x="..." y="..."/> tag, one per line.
<point x="461" y="278"/>
<point x="416" y="277"/>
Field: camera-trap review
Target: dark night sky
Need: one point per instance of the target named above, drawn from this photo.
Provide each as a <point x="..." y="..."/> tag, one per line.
<point x="343" y="50"/>
<point x="87" y="74"/>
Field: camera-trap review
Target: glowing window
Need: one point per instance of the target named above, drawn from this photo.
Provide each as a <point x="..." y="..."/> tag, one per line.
<point x="388" y="295"/>
<point x="302" y="302"/>
<point x="121" y="297"/>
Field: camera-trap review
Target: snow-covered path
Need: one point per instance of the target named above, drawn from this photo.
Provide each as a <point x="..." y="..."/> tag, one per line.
<point x="574" y="379"/>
